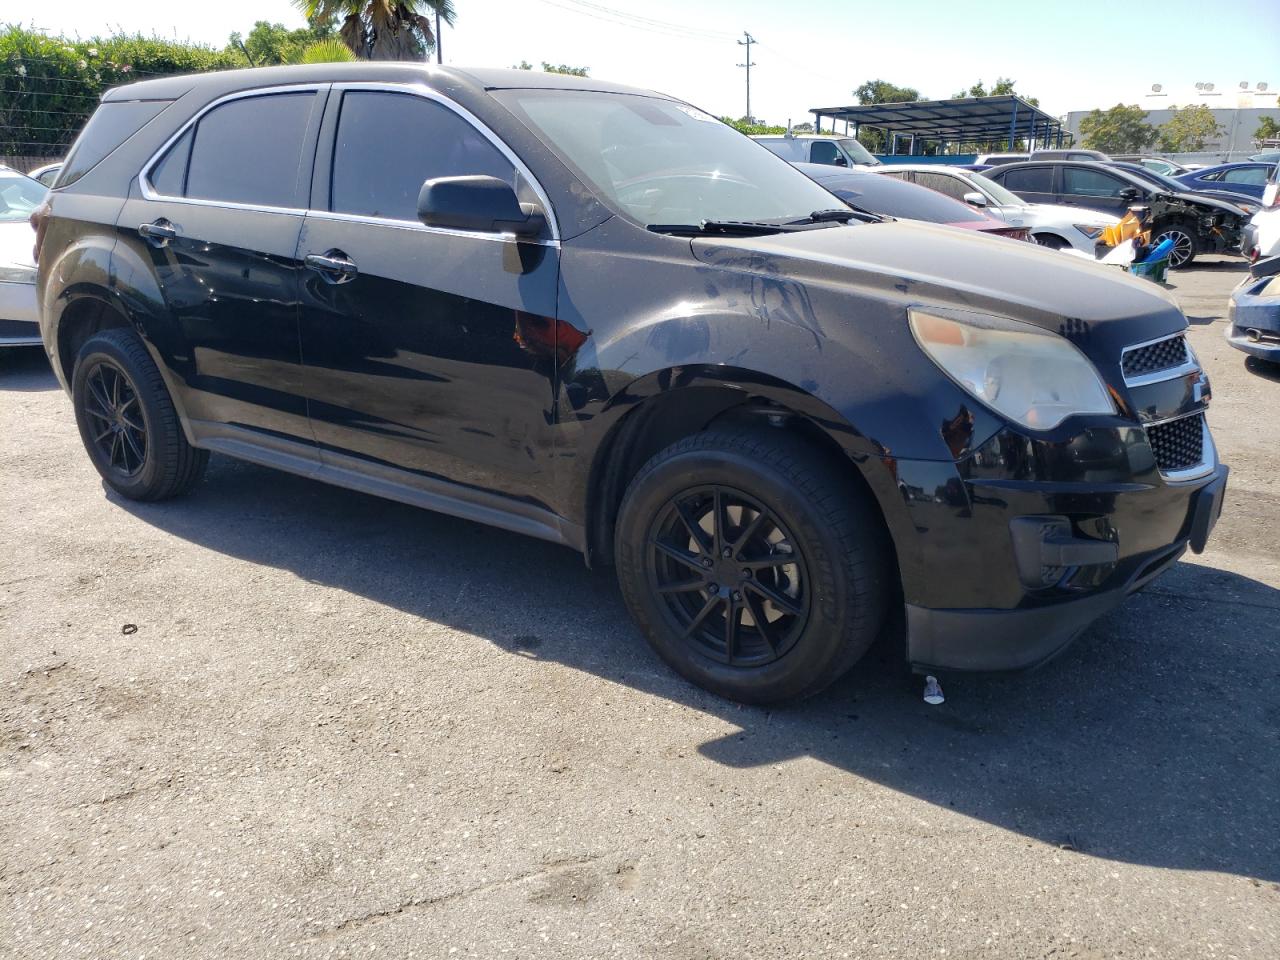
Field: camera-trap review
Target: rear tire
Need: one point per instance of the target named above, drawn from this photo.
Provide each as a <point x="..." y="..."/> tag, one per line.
<point x="127" y="420"/>
<point x="1185" y="243"/>
<point x="777" y="599"/>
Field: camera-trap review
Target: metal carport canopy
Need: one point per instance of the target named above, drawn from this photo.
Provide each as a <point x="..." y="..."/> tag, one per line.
<point x="965" y="118"/>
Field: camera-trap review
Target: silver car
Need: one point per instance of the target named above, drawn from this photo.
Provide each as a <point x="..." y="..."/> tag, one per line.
<point x="1050" y="225"/>
<point x="19" y="196"/>
<point x="814" y="148"/>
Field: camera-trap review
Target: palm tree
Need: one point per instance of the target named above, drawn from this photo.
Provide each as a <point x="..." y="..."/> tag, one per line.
<point x="382" y="29"/>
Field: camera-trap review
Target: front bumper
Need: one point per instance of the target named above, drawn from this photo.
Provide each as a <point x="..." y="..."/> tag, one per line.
<point x="19" y="321"/>
<point x="1034" y="632"/>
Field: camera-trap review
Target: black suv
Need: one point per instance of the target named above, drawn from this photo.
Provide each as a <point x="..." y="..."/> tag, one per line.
<point x="1194" y="222"/>
<point x="599" y="316"/>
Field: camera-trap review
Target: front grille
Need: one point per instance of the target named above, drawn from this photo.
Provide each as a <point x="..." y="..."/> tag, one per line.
<point x="1161" y="355"/>
<point x="1178" y="444"/>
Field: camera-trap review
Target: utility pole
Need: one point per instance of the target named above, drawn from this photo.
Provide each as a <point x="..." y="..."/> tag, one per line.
<point x="747" y="43"/>
<point x="439" y="52"/>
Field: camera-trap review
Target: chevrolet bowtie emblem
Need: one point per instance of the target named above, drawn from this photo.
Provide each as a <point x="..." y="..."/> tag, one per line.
<point x="1200" y="392"/>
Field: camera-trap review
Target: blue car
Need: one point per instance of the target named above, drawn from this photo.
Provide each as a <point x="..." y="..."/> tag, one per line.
<point x="1247" y="178"/>
<point x="1254" y="314"/>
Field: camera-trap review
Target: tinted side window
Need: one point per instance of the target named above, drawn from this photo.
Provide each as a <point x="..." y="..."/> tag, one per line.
<point x="112" y="124"/>
<point x="1030" y="180"/>
<point x="389" y="143"/>
<point x="824" y="151"/>
<point x="168" y="177"/>
<point x="951" y="186"/>
<point x="1083" y="182"/>
<point x="1254" y="175"/>
<point x="248" y="151"/>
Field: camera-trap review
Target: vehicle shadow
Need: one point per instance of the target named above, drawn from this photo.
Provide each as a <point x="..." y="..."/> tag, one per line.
<point x="26" y="369"/>
<point x="1154" y="740"/>
<point x="1263" y="368"/>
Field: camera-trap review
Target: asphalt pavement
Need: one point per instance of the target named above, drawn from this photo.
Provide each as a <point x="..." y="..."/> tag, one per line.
<point x="278" y="719"/>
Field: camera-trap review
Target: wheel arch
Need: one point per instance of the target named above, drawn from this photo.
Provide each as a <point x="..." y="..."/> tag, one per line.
<point x="665" y="406"/>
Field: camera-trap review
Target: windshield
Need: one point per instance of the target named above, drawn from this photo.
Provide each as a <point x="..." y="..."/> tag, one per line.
<point x="1002" y="195"/>
<point x="891" y="197"/>
<point x="19" y="196"/>
<point x="662" y="162"/>
<point x="859" y="153"/>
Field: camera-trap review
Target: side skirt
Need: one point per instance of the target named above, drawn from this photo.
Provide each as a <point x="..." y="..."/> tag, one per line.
<point x="380" y="480"/>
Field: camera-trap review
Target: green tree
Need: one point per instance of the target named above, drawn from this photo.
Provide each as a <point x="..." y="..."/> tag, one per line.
<point x="1003" y="87"/>
<point x="328" y="50"/>
<point x="1189" y="129"/>
<point x="381" y="29"/>
<point x="748" y="126"/>
<point x="881" y="91"/>
<point x="1267" y="128"/>
<point x="272" y="43"/>
<point x="1118" y="130"/>
<point x="553" y="68"/>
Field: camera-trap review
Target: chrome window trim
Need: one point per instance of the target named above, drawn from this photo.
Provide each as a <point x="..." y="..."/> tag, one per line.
<point x="410" y="89"/>
<point x="144" y="184"/>
<point x="422" y="90"/>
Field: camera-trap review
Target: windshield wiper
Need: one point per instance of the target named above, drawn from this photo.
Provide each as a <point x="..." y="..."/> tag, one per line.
<point x="732" y="228"/>
<point x="841" y="213"/>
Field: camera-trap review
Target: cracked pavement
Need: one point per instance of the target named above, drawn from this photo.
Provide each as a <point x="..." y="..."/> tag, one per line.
<point x="345" y="727"/>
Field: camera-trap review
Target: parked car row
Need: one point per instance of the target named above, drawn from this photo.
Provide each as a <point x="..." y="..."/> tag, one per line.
<point x="20" y="195"/>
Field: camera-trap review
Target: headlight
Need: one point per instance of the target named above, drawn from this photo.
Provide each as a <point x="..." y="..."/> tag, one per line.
<point x="1088" y="229"/>
<point x="1033" y="377"/>
<point x="17" y="273"/>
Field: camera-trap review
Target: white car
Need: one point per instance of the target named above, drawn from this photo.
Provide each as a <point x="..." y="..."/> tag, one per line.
<point x="19" y="196"/>
<point x="832" y="150"/>
<point x="1261" y="238"/>
<point x="1050" y="225"/>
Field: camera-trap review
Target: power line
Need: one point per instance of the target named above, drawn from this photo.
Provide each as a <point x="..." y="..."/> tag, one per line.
<point x="620" y="19"/>
<point x="749" y="64"/>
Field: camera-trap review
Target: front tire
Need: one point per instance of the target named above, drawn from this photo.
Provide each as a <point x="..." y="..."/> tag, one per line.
<point x="752" y="566"/>
<point x="1185" y="244"/>
<point x="127" y="420"/>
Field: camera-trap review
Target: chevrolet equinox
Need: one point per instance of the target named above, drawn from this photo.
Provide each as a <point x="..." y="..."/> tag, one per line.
<point x="599" y="316"/>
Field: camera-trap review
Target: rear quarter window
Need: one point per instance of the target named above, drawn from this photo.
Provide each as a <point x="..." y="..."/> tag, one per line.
<point x="112" y="124"/>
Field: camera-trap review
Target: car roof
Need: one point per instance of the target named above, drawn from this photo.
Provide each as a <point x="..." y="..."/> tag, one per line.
<point x="926" y="168"/>
<point x="1234" y="165"/>
<point x="439" y="77"/>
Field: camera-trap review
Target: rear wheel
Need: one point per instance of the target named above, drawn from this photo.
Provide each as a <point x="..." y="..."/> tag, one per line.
<point x="1185" y="243"/>
<point x="127" y="420"/>
<point x="753" y="568"/>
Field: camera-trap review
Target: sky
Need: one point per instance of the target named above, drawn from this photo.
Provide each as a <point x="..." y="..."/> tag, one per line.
<point x="1072" y="54"/>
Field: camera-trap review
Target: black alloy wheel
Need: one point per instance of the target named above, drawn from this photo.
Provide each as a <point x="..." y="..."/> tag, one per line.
<point x="128" y="422"/>
<point x="119" y="431"/>
<point x="1185" y="246"/>
<point x="732" y="582"/>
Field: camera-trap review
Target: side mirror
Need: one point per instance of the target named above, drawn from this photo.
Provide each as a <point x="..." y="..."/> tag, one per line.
<point x="840" y="161"/>
<point x="975" y="199"/>
<point x="1129" y="194"/>
<point x="484" y="204"/>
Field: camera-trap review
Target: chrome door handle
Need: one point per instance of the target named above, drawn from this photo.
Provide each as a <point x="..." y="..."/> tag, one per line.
<point x="334" y="266"/>
<point x="158" y="232"/>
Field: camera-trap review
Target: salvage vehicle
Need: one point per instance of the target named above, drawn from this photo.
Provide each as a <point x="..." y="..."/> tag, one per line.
<point x="600" y="316"/>
<point x="1170" y="168"/>
<point x="1196" y="224"/>
<point x="47" y="173"/>
<point x="19" y="197"/>
<point x="1047" y="224"/>
<point x="1253" y="318"/>
<point x="813" y="148"/>
<point x="870" y="193"/>
<point x="1246" y="202"/>
<point x="1261" y="238"/>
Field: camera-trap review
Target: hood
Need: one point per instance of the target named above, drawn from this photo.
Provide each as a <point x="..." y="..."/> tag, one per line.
<point x="918" y="263"/>
<point x="17" y="239"/>
<point x="1205" y="200"/>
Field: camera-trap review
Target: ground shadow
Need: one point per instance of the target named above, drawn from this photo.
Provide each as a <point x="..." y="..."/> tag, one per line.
<point x="1263" y="368"/>
<point x="1152" y="741"/>
<point x="25" y="369"/>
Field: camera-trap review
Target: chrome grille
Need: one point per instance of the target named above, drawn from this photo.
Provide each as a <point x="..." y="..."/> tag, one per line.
<point x="1178" y="444"/>
<point x="1149" y="358"/>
